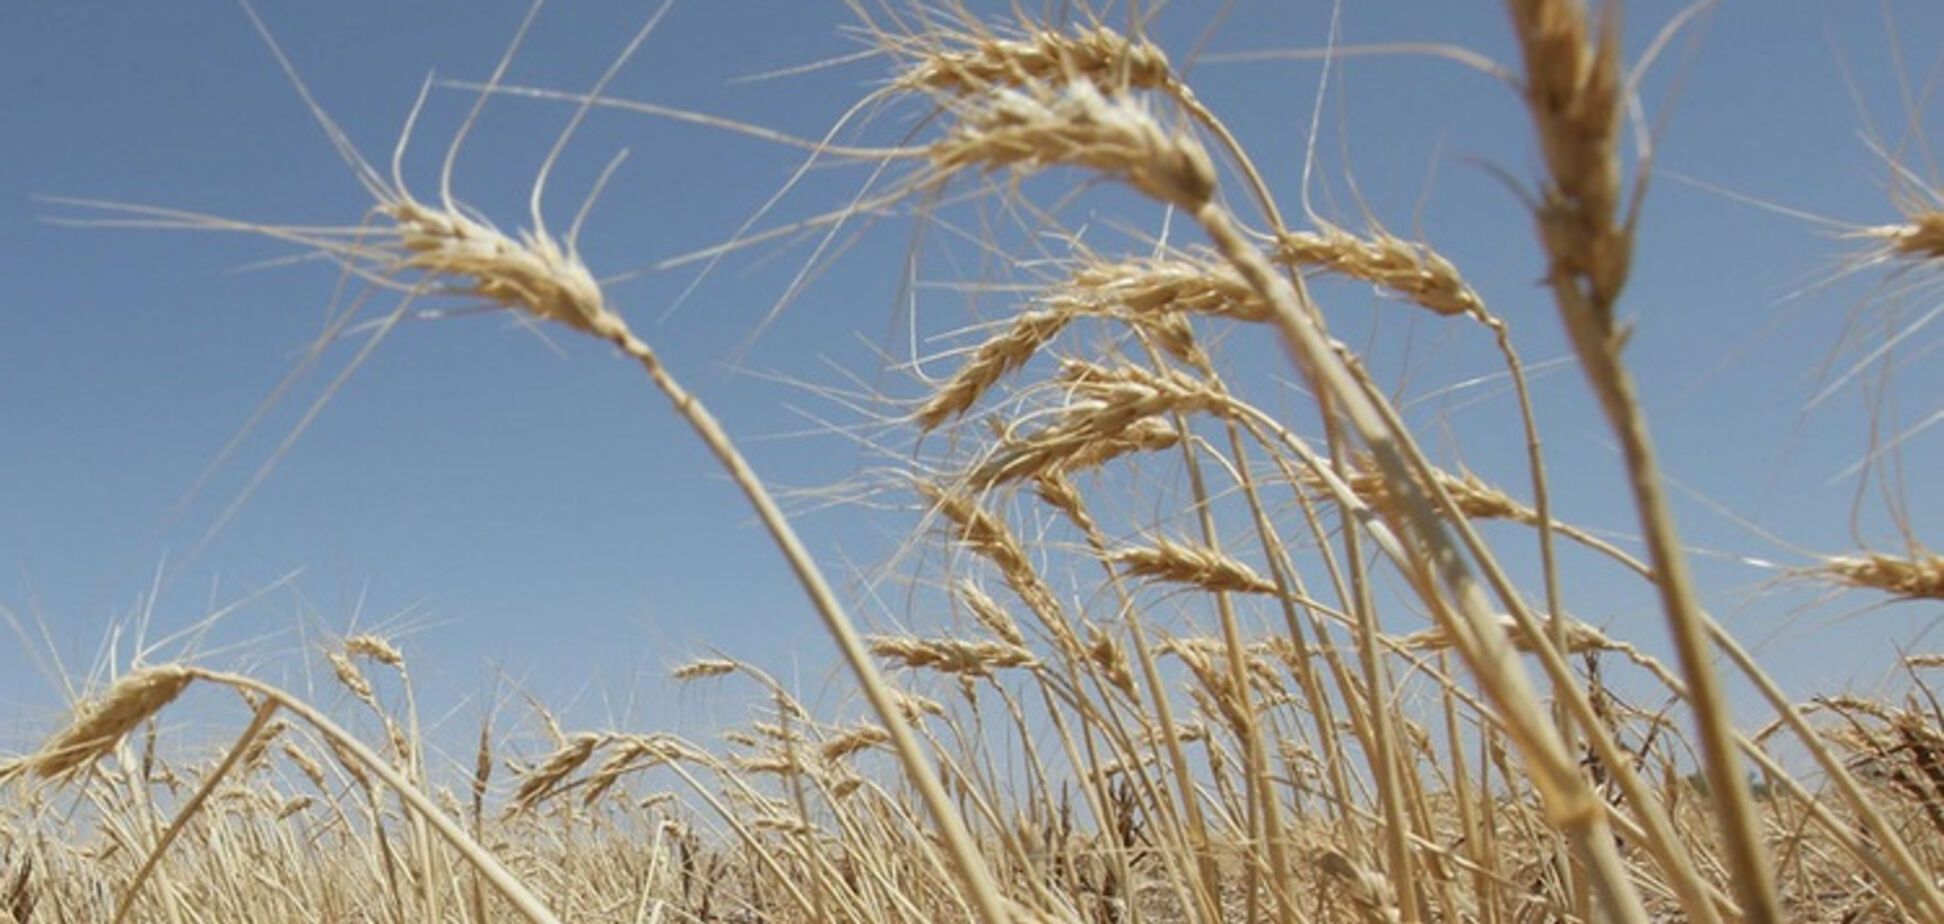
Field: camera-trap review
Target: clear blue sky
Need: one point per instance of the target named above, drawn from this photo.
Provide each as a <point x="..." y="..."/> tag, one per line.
<point x="551" y="517"/>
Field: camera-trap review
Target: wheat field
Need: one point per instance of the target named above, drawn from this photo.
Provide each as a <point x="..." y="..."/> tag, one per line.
<point x="1195" y="614"/>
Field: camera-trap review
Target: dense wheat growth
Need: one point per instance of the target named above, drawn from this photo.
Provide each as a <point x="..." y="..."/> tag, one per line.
<point x="1185" y="638"/>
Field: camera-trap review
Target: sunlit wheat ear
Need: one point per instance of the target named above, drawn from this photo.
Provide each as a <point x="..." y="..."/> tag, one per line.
<point x="1145" y="293"/>
<point x="1109" y="412"/>
<point x="1917" y="576"/>
<point x="1575" y="88"/>
<point x="954" y="63"/>
<point x="99" y="725"/>
<point x="853" y="741"/>
<point x="305" y="764"/>
<point x="1149" y="434"/>
<point x="1920" y="236"/>
<point x="620" y="760"/>
<point x="1196" y="566"/>
<point x="1399" y="268"/>
<point x="992" y="361"/>
<point x="1473" y="497"/>
<point x="990" y="614"/>
<point x="987" y="536"/>
<point x="1111" y="659"/>
<point x="534" y="273"/>
<point x="1215" y="680"/>
<point x="375" y="648"/>
<point x="1580" y="638"/>
<point x="542" y="779"/>
<point x="1075" y="125"/>
<point x="1143" y="287"/>
<point x="1365" y="887"/>
<point x="352" y="678"/>
<point x="956" y="657"/>
<point x="701" y="668"/>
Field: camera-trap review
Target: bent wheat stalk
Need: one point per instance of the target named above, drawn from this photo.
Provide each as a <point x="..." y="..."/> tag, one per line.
<point x="536" y="274"/>
<point x="1574" y="89"/>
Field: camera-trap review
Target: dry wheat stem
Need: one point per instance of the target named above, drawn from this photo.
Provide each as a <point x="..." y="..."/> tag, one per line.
<point x="1080" y="128"/>
<point x="144" y="689"/>
<point x="194" y="804"/>
<point x="541" y="277"/>
<point x="1493" y="659"/>
<point x="1574" y="88"/>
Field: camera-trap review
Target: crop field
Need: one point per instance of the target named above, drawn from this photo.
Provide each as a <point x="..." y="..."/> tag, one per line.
<point x="1186" y="531"/>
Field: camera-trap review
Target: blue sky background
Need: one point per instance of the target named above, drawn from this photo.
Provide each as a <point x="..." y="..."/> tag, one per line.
<point x="550" y="518"/>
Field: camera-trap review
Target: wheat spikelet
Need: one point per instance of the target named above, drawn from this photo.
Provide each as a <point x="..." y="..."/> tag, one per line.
<point x="258" y="753"/>
<point x="376" y="649"/>
<point x="1217" y="686"/>
<point x="990" y="538"/>
<point x="1474" y="498"/>
<point x="1580" y="637"/>
<point x="352" y="678"/>
<point x="1060" y="493"/>
<point x="305" y="764"/>
<point x="630" y="754"/>
<point x="916" y="708"/>
<point x="1111" y="659"/>
<point x="1197" y="566"/>
<point x="1075" y="125"/>
<point x="770" y="765"/>
<point x="293" y="806"/>
<point x="1410" y="271"/>
<point x="787" y="824"/>
<point x="777" y="732"/>
<point x="851" y="742"/>
<point x="992" y="361"/>
<point x="1918" y="576"/>
<point x="1574" y="88"/>
<point x="1147" y="287"/>
<point x="1367" y="888"/>
<point x="956" y="657"/>
<point x="537" y="782"/>
<point x="1110" y="412"/>
<point x="843" y="788"/>
<point x="1098" y="54"/>
<point x="533" y="273"/>
<point x="1147" y="434"/>
<point x="990" y="614"/>
<point x="704" y="667"/>
<point x="101" y="724"/>
<point x="1919" y="237"/>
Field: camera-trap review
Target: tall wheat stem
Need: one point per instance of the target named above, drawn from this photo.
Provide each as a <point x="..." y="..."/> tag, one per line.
<point x="1569" y="795"/>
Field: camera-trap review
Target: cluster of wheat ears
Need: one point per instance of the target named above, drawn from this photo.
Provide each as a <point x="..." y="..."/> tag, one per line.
<point x="1309" y="692"/>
